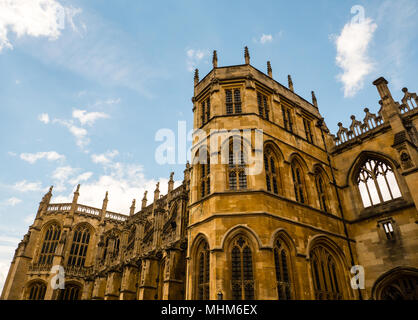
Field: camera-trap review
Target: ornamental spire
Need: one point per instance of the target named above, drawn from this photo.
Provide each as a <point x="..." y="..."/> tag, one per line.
<point x="314" y="101"/>
<point x="215" y="59"/>
<point x="269" y="70"/>
<point x="196" y="76"/>
<point x="290" y="82"/>
<point x="246" y="55"/>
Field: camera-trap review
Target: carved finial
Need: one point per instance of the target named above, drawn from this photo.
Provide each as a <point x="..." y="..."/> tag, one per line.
<point x="290" y="82"/>
<point x="246" y="55"/>
<point x="132" y="209"/>
<point x="314" y="101"/>
<point x="188" y="165"/>
<point x="50" y="189"/>
<point x="269" y="70"/>
<point x="157" y="186"/>
<point x="106" y="196"/>
<point x="172" y="176"/>
<point x="144" y="200"/>
<point x="196" y="76"/>
<point x="78" y="188"/>
<point x="215" y="59"/>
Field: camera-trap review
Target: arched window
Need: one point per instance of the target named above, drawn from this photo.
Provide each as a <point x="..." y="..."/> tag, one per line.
<point x="106" y="248"/>
<point x="237" y="165"/>
<point x="52" y="236"/>
<point x="298" y="182"/>
<point x="263" y="108"/>
<point x="321" y="190"/>
<point x="377" y="183"/>
<point x="37" y="291"/>
<point x="242" y="270"/>
<point x="79" y="246"/>
<point x="71" y="292"/>
<point x="205" y="177"/>
<point x="272" y="170"/>
<point x="131" y="239"/>
<point x="203" y="264"/>
<point x="281" y="262"/>
<point x="325" y="275"/>
<point x="116" y="245"/>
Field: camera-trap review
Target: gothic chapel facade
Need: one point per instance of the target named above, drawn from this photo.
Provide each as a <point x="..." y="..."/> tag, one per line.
<point x="319" y="205"/>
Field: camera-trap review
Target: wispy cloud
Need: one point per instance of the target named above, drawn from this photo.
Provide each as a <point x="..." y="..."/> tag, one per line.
<point x="352" y="54"/>
<point x="266" y="38"/>
<point x="194" y="57"/>
<point x="33" y="157"/>
<point x="104" y="158"/>
<point x="11" y="201"/>
<point x="35" y="18"/>
<point x="88" y="117"/>
<point x="26" y="186"/>
<point x="44" y="117"/>
<point x="79" y="133"/>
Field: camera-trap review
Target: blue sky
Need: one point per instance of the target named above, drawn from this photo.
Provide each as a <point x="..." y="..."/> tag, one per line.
<point x="85" y="85"/>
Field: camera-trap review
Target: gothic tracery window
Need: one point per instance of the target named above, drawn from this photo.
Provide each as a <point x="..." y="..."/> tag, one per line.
<point x="377" y="183"/>
<point x="205" y="177"/>
<point x="205" y="115"/>
<point x="298" y="182"/>
<point x="321" y="191"/>
<point x="233" y="101"/>
<point x="281" y="262"/>
<point x="263" y="108"/>
<point x="37" y="291"/>
<point x="242" y="270"/>
<point x="287" y="119"/>
<point x="203" y="261"/>
<point x="51" y="239"/>
<point x="272" y="171"/>
<point x="79" y="246"/>
<point x="71" y="292"/>
<point x="325" y="275"/>
<point x="236" y="165"/>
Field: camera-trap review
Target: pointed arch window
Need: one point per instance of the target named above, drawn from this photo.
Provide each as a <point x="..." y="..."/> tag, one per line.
<point x="79" y="246"/>
<point x="325" y="275"/>
<point x="298" y="182"/>
<point x="287" y="119"/>
<point x="51" y="239"/>
<point x="205" y="115"/>
<point x="236" y="165"/>
<point x="71" y="292"/>
<point x="321" y="190"/>
<point x="131" y="239"/>
<point x="233" y="101"/>
<point x="205" y="177"/>
<point x="203" y="261"/>
<point x="377" y="183"/>
<point x="263" y="108"/>
<point x="272" y="170"/>
<point x="37" y="291"/>
<point x="281" y="262"/>
<point x="242" y="270"/>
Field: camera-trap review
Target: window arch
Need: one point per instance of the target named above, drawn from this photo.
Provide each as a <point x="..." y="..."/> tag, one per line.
<point x="321" y="190"/>
<point x="71" y="292"/>
<point x="79" y="246"/>
<point x="203" y="265"/>
<point x="298" y="182"/>
<point x="237" y="164"/>
<point x="282" y="266"/>
<point x="242" y="270"/>
<point x="36" y="291"/>
<point x="272" y="170"/>
<point x="131" y="239"/>
<point x="205" y="177"/>
<point x="263" y="107"/>
<point x="51" y="239"/>
<point x="377" y="182"/>
<point x="325" y="274"/>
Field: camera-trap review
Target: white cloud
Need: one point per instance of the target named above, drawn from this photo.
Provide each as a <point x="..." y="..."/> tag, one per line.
<point x="79" y="133"/>
<point x="50" y="156"/>
<point x="352" y="54"/>
<point x="82" y="177"/>
<point x="11" y="153"/>
<point x="25" y="186"/>
<point x="35" y="18"/>
<point x="104" y="158"/>
<point x="13" y="201"/>
<point x="44" y="117"/>
<point x="266" y="38"/>
<point x="88" y="117"/>
<point x="194" y="57"/>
